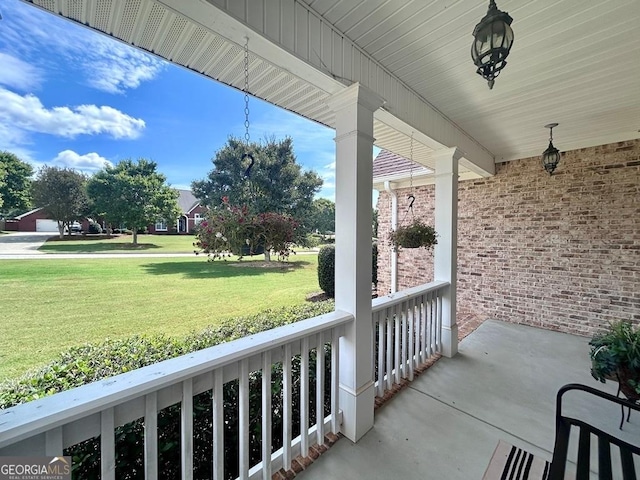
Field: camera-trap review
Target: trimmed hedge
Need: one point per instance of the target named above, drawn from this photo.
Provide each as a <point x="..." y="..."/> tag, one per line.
<point x="327" y="268"/>
<point x="92" y="362"/>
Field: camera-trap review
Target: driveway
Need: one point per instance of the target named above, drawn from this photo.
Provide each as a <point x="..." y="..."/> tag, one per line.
<point x="20" y="243"/>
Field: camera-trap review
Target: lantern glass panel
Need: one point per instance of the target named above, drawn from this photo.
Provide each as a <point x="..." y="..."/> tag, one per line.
<point x="498" y="34"/>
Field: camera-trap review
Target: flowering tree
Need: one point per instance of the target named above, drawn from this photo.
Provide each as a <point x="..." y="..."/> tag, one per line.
<point x="231" y="230"/>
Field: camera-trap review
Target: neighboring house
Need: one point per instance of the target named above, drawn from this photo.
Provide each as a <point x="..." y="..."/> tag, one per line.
<point x="191" y="215"/>
<point x="36" y="220"/>
<point x="560" y="252"/>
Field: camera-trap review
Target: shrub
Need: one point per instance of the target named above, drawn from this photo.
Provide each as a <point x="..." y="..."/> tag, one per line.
<point x="93" y="362"/>
<point x="374" y="264"/>
<point x="94" y="228"/>
<point x="313" y="240"/>
<point x="236" y="230"/>
<point x="327" y="269"/>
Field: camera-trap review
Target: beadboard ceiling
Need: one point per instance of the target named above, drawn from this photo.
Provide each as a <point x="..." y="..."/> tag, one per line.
<point x="575" y="62"/>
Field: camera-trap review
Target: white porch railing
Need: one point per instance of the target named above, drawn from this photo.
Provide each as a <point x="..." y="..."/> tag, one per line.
<point x="407" y="328"/>
<point x="49" y="425"/>
<point x="406" y="333"/>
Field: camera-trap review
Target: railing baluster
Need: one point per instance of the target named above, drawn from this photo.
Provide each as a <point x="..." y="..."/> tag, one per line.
<point x="53" y="442"/>
<point x="411" y="337"/>
<point x="151" y="436"/>
<point x="218" y="425"/>
<point x="439" y="322"/>
<point x="381" y="351"/>
<point x="388" y="366"/>
<point x="430" y="336"/>
<point x="320" y="390"/>
<point x="396" y="354"/>
<point x="266" y="415"/>
<point x="304" y="397"/>
<point x="186" y="418"/>
<point x="423" y="328"/>
<point x="243" y="402"/>
<point x="287" y="408"/>
<point x="107" y="445"/>
<point x="335" y="379"/>
<point x="405" y="342"/>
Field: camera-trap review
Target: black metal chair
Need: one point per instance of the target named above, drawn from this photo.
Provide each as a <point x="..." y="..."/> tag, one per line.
<point x="605" y="441"/>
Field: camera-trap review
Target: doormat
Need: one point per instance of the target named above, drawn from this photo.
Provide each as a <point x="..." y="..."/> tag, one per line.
<point x="513" y="463"/>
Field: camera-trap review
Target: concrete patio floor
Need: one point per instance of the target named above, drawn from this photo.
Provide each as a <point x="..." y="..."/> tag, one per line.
<point x="446" y="425"/>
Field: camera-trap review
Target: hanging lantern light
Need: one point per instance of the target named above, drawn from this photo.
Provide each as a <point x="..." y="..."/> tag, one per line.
<point x="551" y="156"/>
<point x="492" y="42"/>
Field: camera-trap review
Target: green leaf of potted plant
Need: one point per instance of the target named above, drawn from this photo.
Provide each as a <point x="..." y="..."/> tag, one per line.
<point x="615" y="355"/>
<point x="415" y="235"/>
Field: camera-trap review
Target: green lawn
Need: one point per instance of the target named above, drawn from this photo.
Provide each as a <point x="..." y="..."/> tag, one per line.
<point x="121" y="243"/>
<point x="49" y="305"/>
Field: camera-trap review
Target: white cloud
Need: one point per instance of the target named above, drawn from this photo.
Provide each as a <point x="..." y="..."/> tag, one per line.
<point x="114" y="67"/>
<point x="88" y="163"/>
<point x="27" y="114"/>
<point x="17" y="74"/>
<point x="104" y="63"/>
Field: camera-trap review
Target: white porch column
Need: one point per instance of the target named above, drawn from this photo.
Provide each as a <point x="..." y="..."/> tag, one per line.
<point x="445" y="252"/>
<point x="354" y="109"/>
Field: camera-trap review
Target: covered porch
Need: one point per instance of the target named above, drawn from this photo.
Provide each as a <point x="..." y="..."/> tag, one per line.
<point x="378" y="73"/>
<point x="446" y="424"/>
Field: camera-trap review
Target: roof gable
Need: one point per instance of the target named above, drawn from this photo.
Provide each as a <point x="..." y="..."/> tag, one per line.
<point x="187" y="200"/>
<point x="388" y="163"/>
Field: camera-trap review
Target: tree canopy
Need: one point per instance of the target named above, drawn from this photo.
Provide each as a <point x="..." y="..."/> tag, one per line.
<point x="274" y="182"/>
<point x="3" y="175"/>
<point x="62" y="193"/>
<point x="133" y="194"/>
<point x="323" y="216"/>
<point x="15" y="190"/>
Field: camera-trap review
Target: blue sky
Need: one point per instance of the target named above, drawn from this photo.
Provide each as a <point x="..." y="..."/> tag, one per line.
<point x="70" y="97"/>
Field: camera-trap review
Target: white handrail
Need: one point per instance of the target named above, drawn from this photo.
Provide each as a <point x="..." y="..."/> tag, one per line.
<point x="32" y="418"/>
<point x="394" y="299"/>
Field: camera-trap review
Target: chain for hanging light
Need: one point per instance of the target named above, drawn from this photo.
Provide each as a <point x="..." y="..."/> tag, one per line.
<point x="247" y="137"/>
<point x="411" y="197"/>
<point x="246" y="91"/>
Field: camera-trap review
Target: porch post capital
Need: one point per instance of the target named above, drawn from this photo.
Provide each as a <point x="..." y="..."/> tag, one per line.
<point x="355" y="94"/>
<point x="443" y="154"/>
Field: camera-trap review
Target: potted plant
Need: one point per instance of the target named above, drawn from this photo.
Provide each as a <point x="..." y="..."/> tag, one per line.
<point x="615" y="355"/>
<point x="415" y="235"/>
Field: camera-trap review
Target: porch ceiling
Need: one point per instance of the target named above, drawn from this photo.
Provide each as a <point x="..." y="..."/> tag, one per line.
<point x="573" y="62"/>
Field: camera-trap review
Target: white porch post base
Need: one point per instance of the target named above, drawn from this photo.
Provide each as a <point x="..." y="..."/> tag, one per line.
<point x="362" y="404"/>
<point x="445" y="265"/>
<point x="354" y="109"/>
<point x="449" y="336"/>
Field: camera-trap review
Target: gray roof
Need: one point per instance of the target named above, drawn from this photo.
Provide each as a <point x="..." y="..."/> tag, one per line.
<point x="187" y="200"/>
<point x="388" y="163"/>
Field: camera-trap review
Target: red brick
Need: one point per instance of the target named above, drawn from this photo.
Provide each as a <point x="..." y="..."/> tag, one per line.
<point x="296" y="466"/>
<point x="559" y="252"/>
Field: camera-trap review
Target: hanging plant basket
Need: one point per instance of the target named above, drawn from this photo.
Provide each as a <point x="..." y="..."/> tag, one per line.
<point x="415" y="235"/>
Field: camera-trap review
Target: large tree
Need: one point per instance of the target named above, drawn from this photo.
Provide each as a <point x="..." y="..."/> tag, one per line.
<point x="133" y="194"/>
<point x="323" y="216"/>
<point x="62" y="193"/>
<point x="15" y="191"/>
<point x="3" y="176"/>
<point x="271" y="182"/>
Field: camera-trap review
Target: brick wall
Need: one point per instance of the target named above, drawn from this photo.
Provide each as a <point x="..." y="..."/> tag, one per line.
<point x="559" y="252"/>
